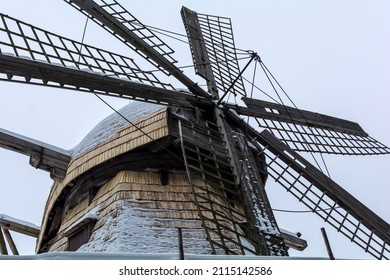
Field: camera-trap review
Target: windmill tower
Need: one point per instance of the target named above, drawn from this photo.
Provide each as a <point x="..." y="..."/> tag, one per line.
<point x="195" y="164"/>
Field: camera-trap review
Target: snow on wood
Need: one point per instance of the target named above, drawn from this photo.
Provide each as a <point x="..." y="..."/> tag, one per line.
<point x="128" y="231"/>
<point x="31" y="141"/>
<point x="91" y="215"/>
<point x="108" y="128"/>
<point x="19" y="225"/>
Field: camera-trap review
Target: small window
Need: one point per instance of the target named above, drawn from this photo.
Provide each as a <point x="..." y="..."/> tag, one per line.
<point x="79" y="232"/>
<point x="81" y="236"/>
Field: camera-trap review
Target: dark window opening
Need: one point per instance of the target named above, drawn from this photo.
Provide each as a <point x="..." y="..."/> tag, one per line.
<point x="164" y="177"/>
<point x="81" y="236"/>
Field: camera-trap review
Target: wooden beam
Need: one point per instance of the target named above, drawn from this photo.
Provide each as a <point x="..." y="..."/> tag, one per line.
<point x="3" y="246"/>
<point x="42" y="155"/>
<point x="199" y="51"/>
<point x="256" y="204"/>
<point x="293" y="241"/>
<point x="327" y="244"/>
<point x="51" y="75"/>
<point x="19" y="226"/>
<point x="10" y="241"/>
<point x="272" y="111"/>
<point x="180" y="243"/>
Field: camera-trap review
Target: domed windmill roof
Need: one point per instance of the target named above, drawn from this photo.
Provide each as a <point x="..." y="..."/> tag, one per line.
<point x="108" y="128"/>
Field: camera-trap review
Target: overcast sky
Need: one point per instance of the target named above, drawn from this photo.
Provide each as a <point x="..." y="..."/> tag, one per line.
<point x="332" y="57"/>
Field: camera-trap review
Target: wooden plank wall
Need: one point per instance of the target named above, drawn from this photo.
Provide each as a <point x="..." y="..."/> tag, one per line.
<point x="167" y="207"/>
<point x="156" y="126"/>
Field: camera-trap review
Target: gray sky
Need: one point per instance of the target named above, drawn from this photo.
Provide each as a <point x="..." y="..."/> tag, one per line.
<point x="331" y="57"/>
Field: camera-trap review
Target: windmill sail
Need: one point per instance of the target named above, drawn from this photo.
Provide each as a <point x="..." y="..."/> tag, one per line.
<point x="106" y="12"/>
<point x="321" y="194"/>
<point x="213" y="51"/>
<point x="22" y="70"/>
<point x="26" y="41"/>
<point x="114" y="18"/>
<point x="36" y="56"/>
<point x="327" y="199"/>
<point x="311" y="132"/>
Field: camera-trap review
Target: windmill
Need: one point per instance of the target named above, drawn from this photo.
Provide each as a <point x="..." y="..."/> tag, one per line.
<point x="216" y="145"/>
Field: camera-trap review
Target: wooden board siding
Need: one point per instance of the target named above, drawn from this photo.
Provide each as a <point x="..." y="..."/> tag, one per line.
<point x="168" y="207"/>
<point x="156" y="127"/>
<point x="142" y="191"/>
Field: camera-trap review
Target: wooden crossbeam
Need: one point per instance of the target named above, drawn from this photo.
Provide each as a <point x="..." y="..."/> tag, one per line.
<point x="19" y="226"/>
<point x="278" y="112"/>
<point x="42" y="155"/>
<point x="36" y="72"/>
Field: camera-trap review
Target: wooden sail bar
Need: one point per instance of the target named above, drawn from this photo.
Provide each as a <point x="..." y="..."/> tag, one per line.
<point x="146" y="34"/>
<point x="270" y="110"/>
<point x="23" y="70"/>
<point x="200" y="56"/>
<point x="307" y="131"/>
<point x="42" y="155"/>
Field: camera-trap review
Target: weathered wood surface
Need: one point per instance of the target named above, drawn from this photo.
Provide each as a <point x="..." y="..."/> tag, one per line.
<point x="127" y="140"/>
<point x="256" y="203"/>
<point x="19" y="226"/>
<point x="278" y="112"/>
<point x="10" y="241"/>
<point x="198" y="49"/>
<point x="293" y="241"/>
<point x="42" y="155"/>
<point x="169" y="206"/>
<point x="36" y="72"/>
<point x="3" y="246"/>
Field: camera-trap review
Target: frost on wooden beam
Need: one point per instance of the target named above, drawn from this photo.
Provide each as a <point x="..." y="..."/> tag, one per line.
<point x="16" y="225"/>
<point x="42" y="155"/>
<point x="293" y="241"/>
